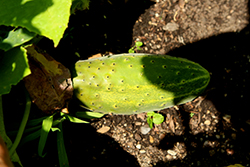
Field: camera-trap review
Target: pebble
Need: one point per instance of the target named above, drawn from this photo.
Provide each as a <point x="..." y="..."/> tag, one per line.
<point x="233" y="135"/>
<point x="217" y="136"/>
<point x="172" y="152"/>
<point x="138" y="146"/>
<point x="161" y="136"/>
<point x="137" y="137"/>
<point x="103" y="129"/>
<point x="169" y="157"/>
<point x="207" y="122"/>
<point x="137" y="123"/>
<point x="142" y="151"/>
<point x="171" y="27"/>
<point x="145" y="129"/>
<point x="151" y="139"/>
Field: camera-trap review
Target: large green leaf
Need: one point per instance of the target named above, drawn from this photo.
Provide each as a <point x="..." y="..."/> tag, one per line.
<point x="15" y="38"/>
<point x="45" y="17"/>
<point x="13" y="67"/>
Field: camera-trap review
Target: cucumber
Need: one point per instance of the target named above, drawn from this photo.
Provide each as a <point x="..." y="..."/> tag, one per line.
<point x="135" y="83"/>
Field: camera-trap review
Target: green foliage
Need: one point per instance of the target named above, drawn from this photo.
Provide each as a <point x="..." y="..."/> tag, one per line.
<point x="14" y="37"/>
<point x="13" y="67"/>
<point x="137" y="46"/>
<point x="41" y="127"/>
<point x="46" y="126"/>
<point x="12" y="146"/>
<point x="22" y="21"/>
<point x="48" y="18"/>
<point x="154" y="118"/>
<point x="191" y="114"/>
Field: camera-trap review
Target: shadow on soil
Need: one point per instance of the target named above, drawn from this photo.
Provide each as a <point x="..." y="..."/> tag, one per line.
<point x="227" y="58"/>
<point x="105" y="151"/>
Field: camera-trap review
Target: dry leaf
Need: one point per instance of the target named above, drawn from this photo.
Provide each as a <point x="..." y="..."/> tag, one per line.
<point x="49" y="83"/>
<point x="95" y="56"/>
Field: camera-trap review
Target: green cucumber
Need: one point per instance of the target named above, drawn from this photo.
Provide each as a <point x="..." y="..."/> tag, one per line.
<point x="135" y="83"/>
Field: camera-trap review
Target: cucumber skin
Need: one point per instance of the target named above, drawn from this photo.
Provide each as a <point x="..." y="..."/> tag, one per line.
<point x="135" y="83"/>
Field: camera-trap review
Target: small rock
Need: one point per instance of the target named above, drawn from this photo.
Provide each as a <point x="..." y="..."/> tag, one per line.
<point x="137" y="123"/>
<point x="142" y="151"/>
<point x="233" y="135"/>
<point x="211" y="152"/>
<point x="145" y="129"/>
<point x="169" y="157"/>
<point x="207" y="122"/>
<point x="217" y="136"/>
<point x="137" y="137"/>
<point x="172" y="152"/>
<point x="103" y="129"/>
<point x="171" y="27"/>
<point x="161" y="136"/>
<point x="130" y="144"/>
<point x="138" y="146"/>
<point x="151" y="139"/>
<point x="227" y="118"/>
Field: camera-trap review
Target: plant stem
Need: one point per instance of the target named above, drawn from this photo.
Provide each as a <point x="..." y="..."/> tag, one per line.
<point x="23" y="124"/>
<point x="2" y="126"/>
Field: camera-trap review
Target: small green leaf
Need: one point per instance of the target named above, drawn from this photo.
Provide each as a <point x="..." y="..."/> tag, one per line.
<point x="13" y="67"/>
<point x="28" y="130"/>
<point x="150" y="122"/>
<point x="138" y="44"/>
<point x="15" y="38"/>
<point x="89" y="115"/>
<point x="36" y="121"/>
<point x="191" y="114"/>
<point x="57" y="121"/>
<point x="131" y="51"/>
<point x="150" y="113"/>
<point x="46" y="126"/>
<point x="30" y="137"/>
<point x="74" y="119"/>
<point x="62" y="155"/>
<point x="53" y="129"/>
<point x="158" y="118"/>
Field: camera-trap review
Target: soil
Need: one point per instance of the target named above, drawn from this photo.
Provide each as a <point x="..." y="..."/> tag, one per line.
<point x="212" y="130"/>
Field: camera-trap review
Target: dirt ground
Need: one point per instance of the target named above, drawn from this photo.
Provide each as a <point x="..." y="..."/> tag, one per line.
<point x="213" y="33"/>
